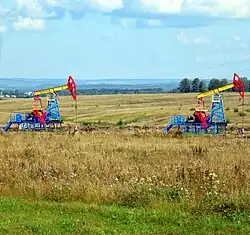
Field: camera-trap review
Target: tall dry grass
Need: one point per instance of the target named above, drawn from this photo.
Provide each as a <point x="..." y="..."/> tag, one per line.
<point x="145" y="109"/>
<point x="124" y="167"/>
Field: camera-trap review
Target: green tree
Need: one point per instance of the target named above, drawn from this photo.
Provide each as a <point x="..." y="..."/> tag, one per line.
<point x="16" y="92"/>
<point x="185" y="86"/>
<point x="223" y="82"/>
<point x="246" y="83"/>
<point x="202" y="86"/>
<point x="196" y="85"/>
<point x="214" y="83"/>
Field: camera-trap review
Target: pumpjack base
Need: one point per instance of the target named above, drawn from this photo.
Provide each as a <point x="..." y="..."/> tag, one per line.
<point x="25" y="123"/>
<point x="185" y="126"/>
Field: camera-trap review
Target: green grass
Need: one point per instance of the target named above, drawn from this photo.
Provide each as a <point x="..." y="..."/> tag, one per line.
<point x="23" y="217"/>
<point x="124" y="168"/>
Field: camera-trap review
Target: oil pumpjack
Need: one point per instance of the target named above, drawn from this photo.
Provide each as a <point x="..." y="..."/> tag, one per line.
<point x="40" y="118"/>
<point x="201" y="122"/>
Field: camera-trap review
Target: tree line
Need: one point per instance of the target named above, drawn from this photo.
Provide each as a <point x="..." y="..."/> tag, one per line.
<point x="103" y="91"/>
<point x="196" y="85"/>
<point x="185" y="86"/>
<point x="100" y="91"/>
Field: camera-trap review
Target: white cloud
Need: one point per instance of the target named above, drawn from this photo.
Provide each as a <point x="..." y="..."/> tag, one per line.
<point x="32" y="8"/>
<point x="217" y="8"/>
<point x="154" y="23"/>
<point x="3" y="11"/>
<point x="88" y="5"/>
<point x="103" y="5"/>
<point x="127" y="22"/>
<point x="221" y="8"/>
<point x="56" y="3"/>
<point x="28" y="23"/>
<point x="160" y="6"/>
<point x="42" y="9"/>
<point x="236" y="38"/>
<point x="183" y="38"/>
<point x="52" y="14"/>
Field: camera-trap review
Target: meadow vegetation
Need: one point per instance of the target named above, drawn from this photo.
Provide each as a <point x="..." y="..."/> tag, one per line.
<point x="125" y="181"/>
<point x="140" y="109"/>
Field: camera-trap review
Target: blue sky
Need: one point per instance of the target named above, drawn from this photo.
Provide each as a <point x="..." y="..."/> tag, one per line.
<point x="97" y="39"/>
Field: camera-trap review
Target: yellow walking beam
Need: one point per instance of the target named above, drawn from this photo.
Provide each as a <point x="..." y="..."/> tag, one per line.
<point x="51" y="90"/>
<point x="214" y="91"/>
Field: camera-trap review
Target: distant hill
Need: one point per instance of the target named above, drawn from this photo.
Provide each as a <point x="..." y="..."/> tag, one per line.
<point x="25" y="84"/>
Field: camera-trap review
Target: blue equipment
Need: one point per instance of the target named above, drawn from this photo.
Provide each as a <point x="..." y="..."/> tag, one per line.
<point x="217" y="111"/>
<point x="39" y="119"/>
<point x="201" y="123"/>
<point x="214" y="123"/>
<point x="24" y="122"/>
<point x="53" y="110"/>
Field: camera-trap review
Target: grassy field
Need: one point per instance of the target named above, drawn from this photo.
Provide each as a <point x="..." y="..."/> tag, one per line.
<point x="123" y="181"/>
<point x="24" y="217"/>
<point x="149" y="110"/>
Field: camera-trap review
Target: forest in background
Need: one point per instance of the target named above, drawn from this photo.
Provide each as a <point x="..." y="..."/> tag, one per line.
<point x="186" y="85"/>
<point x="196" y="85"/>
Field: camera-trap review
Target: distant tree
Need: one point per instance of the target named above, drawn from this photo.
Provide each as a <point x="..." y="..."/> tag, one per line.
<point x="246" y="84"/>
<point x="214" y="83"/>
<point x="175" y="90"/>
<point x="16" y="92"/>
<point x="185" y="86"/>
<point x="4" y="92"/>
<point x="196" y="85"/>
<point x="202" y="86"/>
<point x="223" y="82"/>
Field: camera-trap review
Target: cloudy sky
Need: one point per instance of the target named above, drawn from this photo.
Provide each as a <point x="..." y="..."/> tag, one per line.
<point x="124" y="38"/>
